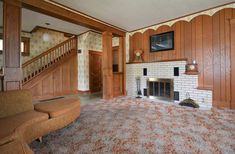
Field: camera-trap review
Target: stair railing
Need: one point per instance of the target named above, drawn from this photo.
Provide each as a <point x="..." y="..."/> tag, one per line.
<point x="46" y="59"/>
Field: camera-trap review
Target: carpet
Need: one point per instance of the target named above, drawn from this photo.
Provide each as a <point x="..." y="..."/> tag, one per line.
<point x="132" y="126"/>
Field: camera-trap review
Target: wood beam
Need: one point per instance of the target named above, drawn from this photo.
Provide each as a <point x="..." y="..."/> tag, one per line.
<point x="107" y="64"/>
<point x="63" y="12"/>
<point x="11" y="46"/>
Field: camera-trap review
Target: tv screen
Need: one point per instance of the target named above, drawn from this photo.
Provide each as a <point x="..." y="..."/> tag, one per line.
<point x="162" y="42"/>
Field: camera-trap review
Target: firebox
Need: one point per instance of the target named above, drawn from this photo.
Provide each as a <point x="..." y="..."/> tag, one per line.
<point x="160" y="88"/>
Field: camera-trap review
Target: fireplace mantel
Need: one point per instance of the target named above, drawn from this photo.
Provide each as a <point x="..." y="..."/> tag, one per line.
<point x="169" y="60"/>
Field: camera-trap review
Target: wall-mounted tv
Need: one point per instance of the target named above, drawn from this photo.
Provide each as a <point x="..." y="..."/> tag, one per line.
<point x="162" y="42"/>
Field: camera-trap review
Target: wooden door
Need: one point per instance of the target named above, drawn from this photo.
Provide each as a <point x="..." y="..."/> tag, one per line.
<point x="95" y="71"/>
<point x="232" y="22"/>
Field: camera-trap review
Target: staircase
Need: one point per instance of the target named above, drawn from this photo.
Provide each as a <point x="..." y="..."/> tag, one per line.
<point x="41" y="63"/>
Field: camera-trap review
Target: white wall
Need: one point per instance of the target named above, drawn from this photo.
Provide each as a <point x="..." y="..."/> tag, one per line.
<point x="182" y="83"/>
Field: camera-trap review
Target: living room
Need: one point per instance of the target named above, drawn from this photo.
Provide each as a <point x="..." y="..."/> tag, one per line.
<point x="85" y="77"/>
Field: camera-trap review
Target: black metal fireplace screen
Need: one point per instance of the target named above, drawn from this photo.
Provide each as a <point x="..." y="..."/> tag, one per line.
<point x="160" y="88"/>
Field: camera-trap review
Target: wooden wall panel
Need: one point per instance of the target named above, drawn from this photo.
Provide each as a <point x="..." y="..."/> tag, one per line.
<point x="188" y="41"/>
<point x="57" y="75"/>
<point x="228" y="15"/>
<point x="216" y="59"/>
<point x="204" y="39"/>
<point x="232" y="63"/>
<point x="66" y="77"/>
<point x="48" y="86"/>
<point x="207" y="52"/>
<point x="199" y="49"/>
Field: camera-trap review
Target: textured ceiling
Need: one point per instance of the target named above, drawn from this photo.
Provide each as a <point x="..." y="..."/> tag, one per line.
<point x="134" y="14"/>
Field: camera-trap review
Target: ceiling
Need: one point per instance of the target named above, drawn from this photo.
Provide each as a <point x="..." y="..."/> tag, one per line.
<point x="31" y="19"/>
<point x="135" y="14"/>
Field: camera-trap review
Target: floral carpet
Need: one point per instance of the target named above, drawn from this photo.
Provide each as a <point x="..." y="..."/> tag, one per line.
<point x="137" y="126"/>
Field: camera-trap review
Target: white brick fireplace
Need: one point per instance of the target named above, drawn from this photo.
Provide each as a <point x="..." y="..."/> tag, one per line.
<point x="165" y="70"/>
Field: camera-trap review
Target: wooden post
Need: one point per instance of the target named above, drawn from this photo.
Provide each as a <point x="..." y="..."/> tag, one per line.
<point x="11" y="46"/>
<point x="232" y="24"/>
<point x="122" y="63"/>
<point x="107" y="60"/>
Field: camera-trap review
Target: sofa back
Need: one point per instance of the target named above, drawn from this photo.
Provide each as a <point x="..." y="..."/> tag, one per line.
<point x="15" y="101"/>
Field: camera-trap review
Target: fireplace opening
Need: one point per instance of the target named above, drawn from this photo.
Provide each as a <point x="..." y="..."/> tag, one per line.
<point x="160" y="88"/>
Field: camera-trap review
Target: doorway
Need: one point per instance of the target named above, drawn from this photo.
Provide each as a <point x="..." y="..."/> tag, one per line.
<point x="95" y="71"/>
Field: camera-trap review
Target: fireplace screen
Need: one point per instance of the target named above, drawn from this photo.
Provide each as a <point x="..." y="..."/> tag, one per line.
<point x="160" y="88"/>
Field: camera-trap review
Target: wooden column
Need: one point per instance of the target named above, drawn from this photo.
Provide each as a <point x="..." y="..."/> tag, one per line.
<point x="122" y="63"/>
<point x="232" y="24"/>
<point x="107" y="64"/>
<point x="11" y="46"/>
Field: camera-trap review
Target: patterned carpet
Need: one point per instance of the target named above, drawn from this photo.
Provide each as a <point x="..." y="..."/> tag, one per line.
<point x="126" y="125"/>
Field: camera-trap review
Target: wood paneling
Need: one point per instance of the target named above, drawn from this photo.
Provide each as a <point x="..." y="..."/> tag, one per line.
<point x="95" y="71"/>
<point x="117" y="84"/>
<point x="232" y="62"/>
<point x="60" y="79"/>
<point x="107" y="65"/>
<point x="11" y="46"/>
<point x="204" y="39"/>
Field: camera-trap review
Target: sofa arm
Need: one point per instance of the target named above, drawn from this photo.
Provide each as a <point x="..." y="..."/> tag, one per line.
<point x="15" y="101"/>
<point x="15" y="147"/>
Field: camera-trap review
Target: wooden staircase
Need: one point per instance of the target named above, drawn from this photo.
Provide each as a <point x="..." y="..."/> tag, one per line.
<point x="47" y="59"/>
<point x="52" y="73"/>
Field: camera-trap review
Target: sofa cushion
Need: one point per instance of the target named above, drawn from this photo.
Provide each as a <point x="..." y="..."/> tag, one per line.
<point x="15" y="101"/>
<point x="57" y="107"/>
<point x="18" y="122"/>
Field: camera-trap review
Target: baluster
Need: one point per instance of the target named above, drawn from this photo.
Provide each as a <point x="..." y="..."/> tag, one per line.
<point x="45" y="61"/>
<point x="52" y="56"/>
<point x="60" y="50"/>
<point x="63" y="49"/>
<point x="40" y="64"/>
<point x="49" y="56"/>
<point x="56" y="54"/>
<point x="23" y="69"/>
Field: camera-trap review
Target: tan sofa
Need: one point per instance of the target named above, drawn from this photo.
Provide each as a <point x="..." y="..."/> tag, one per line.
<point x="21" y="122"/>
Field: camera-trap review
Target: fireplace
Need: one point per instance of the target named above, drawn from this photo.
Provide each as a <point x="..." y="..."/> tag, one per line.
<point x="160" y="88"/>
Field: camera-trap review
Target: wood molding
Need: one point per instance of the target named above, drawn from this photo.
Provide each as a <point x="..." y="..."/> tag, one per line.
<point x="158" y="61"/>
<point x="64" y="13"/>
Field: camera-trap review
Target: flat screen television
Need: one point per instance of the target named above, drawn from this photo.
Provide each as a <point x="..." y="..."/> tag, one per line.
<point x="162" y="42"/>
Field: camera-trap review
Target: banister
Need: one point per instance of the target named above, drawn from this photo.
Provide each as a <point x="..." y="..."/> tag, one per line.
<point x="38" y="64"/>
